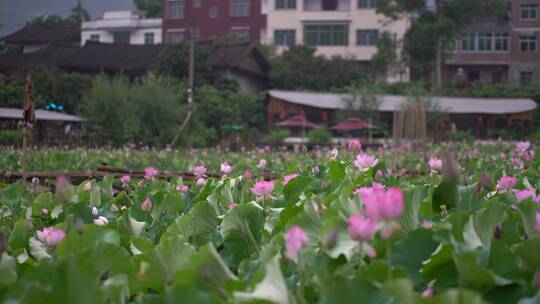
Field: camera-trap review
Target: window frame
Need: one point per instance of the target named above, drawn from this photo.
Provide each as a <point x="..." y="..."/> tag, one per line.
<point x="197" y="3"/>
<point x="528" y="41"/>
<point x="240" y="8"/>
<point x="176" y="31"/>
<point x="152" y="40"/>
<point x="285" y="5"/>
<point x="180" y="11"/>
<point x="325" y="34"/>
<point x="528" y="10"/>
<point x="119" y="37"/>
<point x="371" y="37"/>
<point x="211" y="9"/>
<point x="526" y="81"/>
<point x="285" y="35"/>
<point x="366" y="4"/>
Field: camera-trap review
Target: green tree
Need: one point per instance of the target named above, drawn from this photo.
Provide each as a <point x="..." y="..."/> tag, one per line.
<point x="174" y="61"/>
<point x="362" y="101"/>
<point x="299" y="68"/>
<point x="79" y="14"/>
<point x="151" y="7"/>
<point x="111" y="116"/>
<point x="431" y="38"/>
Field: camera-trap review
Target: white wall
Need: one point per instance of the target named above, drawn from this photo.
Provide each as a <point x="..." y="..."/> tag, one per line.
<point x="356" y="18"/>
<point x="126" y="21"/>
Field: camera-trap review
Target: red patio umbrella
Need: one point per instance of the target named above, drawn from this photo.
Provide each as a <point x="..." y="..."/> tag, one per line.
<point x="352" y="124"/>
<point x="298" y="121"/>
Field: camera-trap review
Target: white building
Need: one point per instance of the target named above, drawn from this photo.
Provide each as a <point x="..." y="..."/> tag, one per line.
<point x="122" y="27"/>
<point x="346" y="28"/>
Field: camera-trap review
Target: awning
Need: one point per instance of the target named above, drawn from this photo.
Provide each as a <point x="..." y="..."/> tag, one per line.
<point x="14" y="113"/>
<point x="298" y="121"/>
<point x="353" y="124"/>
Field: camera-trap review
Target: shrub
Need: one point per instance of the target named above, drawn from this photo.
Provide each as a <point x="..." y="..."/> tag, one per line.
<point x="10" y="137"/>
<point x="319" y="136"/>
<point x="277" y="136"/>
<point x="466" y="136"/>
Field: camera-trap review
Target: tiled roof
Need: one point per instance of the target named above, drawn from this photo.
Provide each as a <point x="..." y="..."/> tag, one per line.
<point x="105" y="56"/>
<point x="244" y="57"/>
<point x="30" y="34"/>
<point x="51" y="55"/>
<point x="389" y="103"/>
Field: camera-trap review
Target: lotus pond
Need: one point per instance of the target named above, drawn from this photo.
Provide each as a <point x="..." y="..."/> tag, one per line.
<point x="335" y="226"/>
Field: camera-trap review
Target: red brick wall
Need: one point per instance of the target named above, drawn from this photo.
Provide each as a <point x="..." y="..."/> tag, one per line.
<point x="211" y="27"/>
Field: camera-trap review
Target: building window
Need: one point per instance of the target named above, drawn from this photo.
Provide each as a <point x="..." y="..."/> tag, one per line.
<point x="94" y="37"/>
<point x="468" y="41"/>
<point x="501" y="41"/>
<point x="195" y="32"/>
<point x="285" y="4"/>
<point x="175" y="37"/>
<point x="176" y="9"/>
<point x="473" y="76"/>
<point x="527" y="44"/>
<point x="148" y="38"/>
<point x="529" y="11"/>
<point x="496" y="77"/>
<point x="366" y="3"/>
<point x="485" y="41"/>
<point x="366" y="37"/>
<point x="326" y="34"/>
<point x="213" y="11"/>
<point x="284" y="37"/>
<point x="526" y="78"/>
<point x="240" y="32"/>
<point x="121" y="37"/>
<point x="240" y="8"/>
<point x="197" y="3"/>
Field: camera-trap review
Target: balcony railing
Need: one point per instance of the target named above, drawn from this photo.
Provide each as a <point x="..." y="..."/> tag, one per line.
<point x="326" y="5"/>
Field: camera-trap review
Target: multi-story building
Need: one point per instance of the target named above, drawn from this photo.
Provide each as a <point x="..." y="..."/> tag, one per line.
<point x="127" y="27"/>
<point x="346" y="28"/>
<point x="499" y="49"/>
<point x="213" y="18"/>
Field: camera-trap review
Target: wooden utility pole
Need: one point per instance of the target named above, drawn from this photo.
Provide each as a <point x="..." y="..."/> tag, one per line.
<point x="191" y="80"/>
<point x="29" y="118"/>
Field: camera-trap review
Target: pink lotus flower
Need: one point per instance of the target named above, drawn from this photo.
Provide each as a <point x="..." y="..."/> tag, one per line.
<point x="522" y="146"/>
<point x="288" y="178"/>
<point x="146" y="205"/>
<point x="354" y="145"/>
<point x="315" y="170"/>
<point x="368" y="190"/>
<point x="199" y="171"/>
<point x="364" y="162"/>
<point x="201" y="181"/>
<point x="232" y="205"/>
<point x="428" y="293"/>
<point x="150" y="173"/>
<point x="528" y="155"/>
<point x="248" y="175"/>
<point x="522" y="195"/>
<point x="226" y="168"/>
<point x="263" y="187"/>
<point x="435" y="163"/>
<point x="379" y="174"/>
<point x="50" y="236"/>
<point x="101" y="221"/>
<point x="537" y="226"/>
<point x="44" y="212"/>
<point x="506" y="183"/>
<point x="182" y="188"/>
<point x="262" y="163"/>
<point x="295" y="240"/>
<point x="516" y="162"/>
<point x="361" y="228"/>
<point x="426" y="225"/>
<point x="383" y="205"/>
<point x="125" y="179"/>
